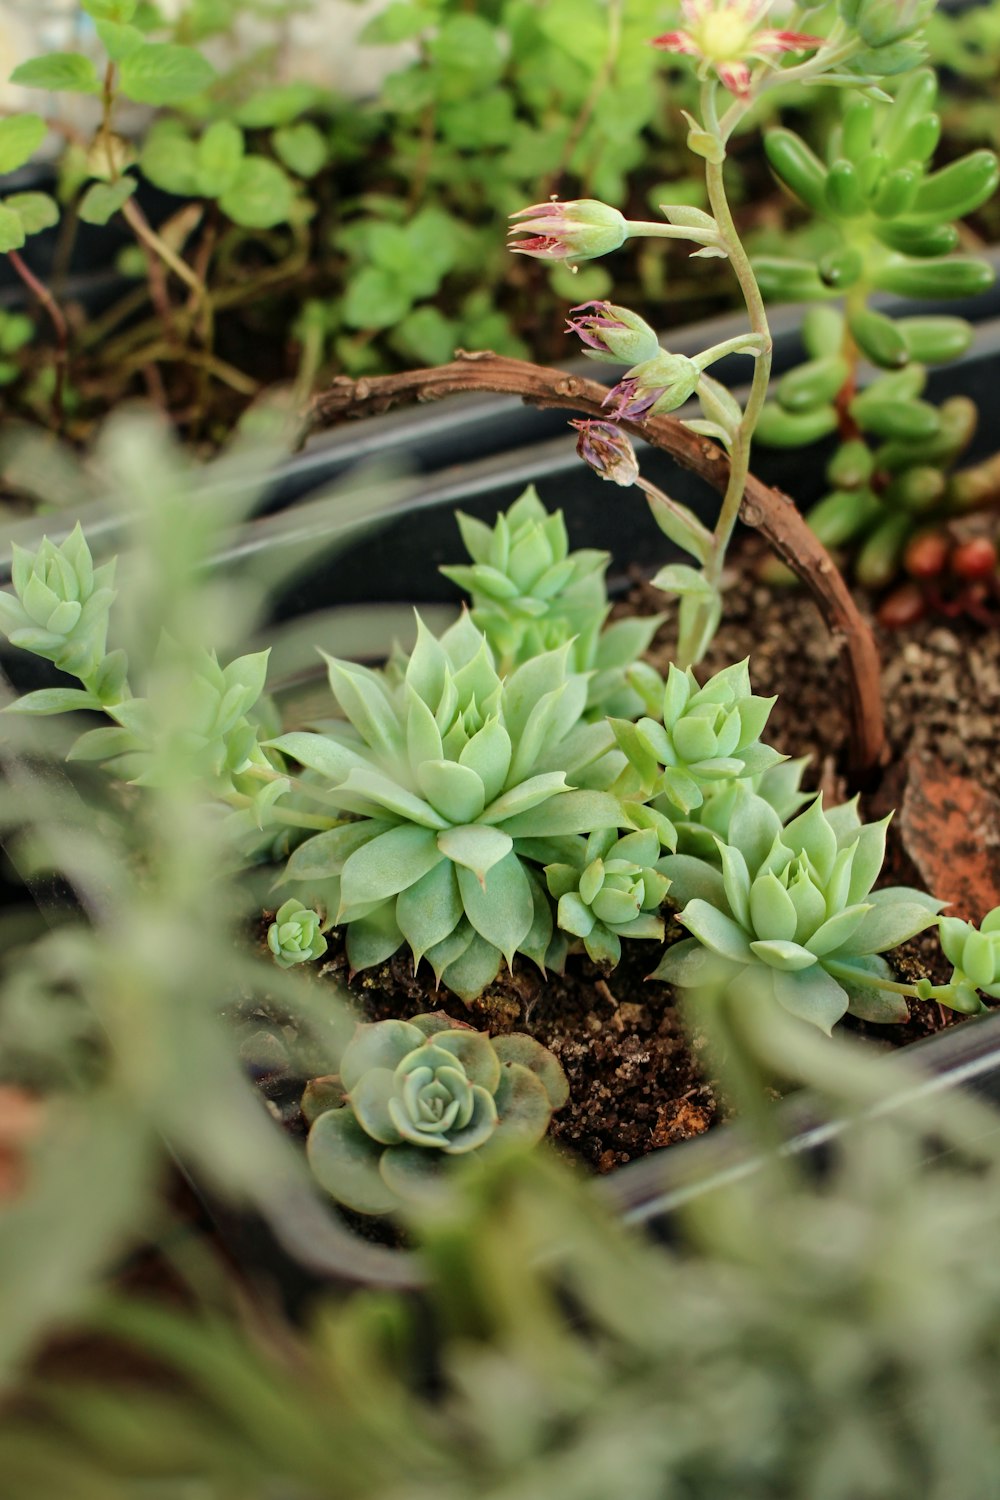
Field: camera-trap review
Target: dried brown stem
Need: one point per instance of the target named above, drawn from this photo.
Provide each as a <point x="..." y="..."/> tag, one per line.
<point x="773" y="514"/>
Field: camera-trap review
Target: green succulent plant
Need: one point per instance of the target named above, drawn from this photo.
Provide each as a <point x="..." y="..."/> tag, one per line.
<point x="418" y="1096"/>
<point x="459" y="785"/>
<point x="709" y="735"/>
<point x="530" y="594"/>
<point x="614" y="892"/>
<point x="59" y="607"/>
<point x="792" y="915"/>
<point x="975" y="959"/>
<point x="700" y="831"/>
<point x="294" y="937"/>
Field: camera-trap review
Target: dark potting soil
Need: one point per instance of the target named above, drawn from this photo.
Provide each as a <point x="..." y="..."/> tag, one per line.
<point x="637" y="1080"/>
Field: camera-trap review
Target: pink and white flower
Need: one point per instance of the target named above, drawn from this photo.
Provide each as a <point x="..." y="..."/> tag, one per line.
<point x="724" y="36"/>
<point x="578" y="230"/>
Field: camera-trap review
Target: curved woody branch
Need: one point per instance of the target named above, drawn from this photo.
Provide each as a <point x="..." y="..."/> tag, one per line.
<point x="769" y="511"/>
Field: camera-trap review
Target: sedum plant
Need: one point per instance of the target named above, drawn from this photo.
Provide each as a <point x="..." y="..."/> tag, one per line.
<point x="887" y="221"/>
<point x="460" y="785"/>
<point x="791" y="916"/>
<point x="530" y="593"/>
<point x="419" y="1097"/>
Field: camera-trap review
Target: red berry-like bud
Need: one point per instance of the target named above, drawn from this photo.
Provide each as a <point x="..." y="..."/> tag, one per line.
<point x="926" y="555"/>
<point x="975" y="560"/>
<point x="904" y="606"/>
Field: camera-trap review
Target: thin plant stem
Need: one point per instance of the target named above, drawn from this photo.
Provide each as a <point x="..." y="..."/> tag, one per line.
<point x="55" y="312"/>
<point x="695" y="640"/>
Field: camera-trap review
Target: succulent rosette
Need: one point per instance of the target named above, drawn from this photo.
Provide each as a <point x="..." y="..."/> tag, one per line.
<point x="530" y="594"/>
<point x="420" y="1096"/>
<point x="792" y="916"/>
<point x="59" y="607"/>
<point x="709" y="735"/>
<point x="459" y="786"/>
<point x="614" y="892"/>
<point x="294" y="937"/>
<point x="975" y="958"/>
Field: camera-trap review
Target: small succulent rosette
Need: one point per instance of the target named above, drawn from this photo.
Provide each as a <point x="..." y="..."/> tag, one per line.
<point x="414" y="1098"/>
<point x="709" y="735"/>
<point x="295" y="936"/>
<point x="615" y="892"/>
<point x="975" y="959"/>
<point x="791" y="916"/>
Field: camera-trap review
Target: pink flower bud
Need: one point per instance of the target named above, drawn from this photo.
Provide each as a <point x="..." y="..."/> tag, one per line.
<point x="613" y="333"/>
<point x="659" y="384"/>
<point x="607" y="450"/>
<point x="580" y="230"/>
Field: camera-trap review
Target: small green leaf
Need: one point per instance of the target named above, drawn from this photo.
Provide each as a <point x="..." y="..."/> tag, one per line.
<point x="163" y="73"/>
<point x="302" y="148"/>
<point x="116" y="11"/>
<point x="37" y="211"/>
<point x="119" y="41"/>
<point x="11" y="230"/>
<point x="102" y="200"/>
<point x="20" y="138"/>
<point x="53" y="701"/>
<point x="374" y="299"/>
<point x="260" y="196"/>
<point x="58" y="73"/>
<point x="277" y="105"/>
<point x="219" y="154"/>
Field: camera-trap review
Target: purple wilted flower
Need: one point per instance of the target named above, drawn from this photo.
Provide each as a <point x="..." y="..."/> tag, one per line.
<point x="724" y="36"/>
<point x="659" y="384"/>
<point x="579" y="230"/>
<point x="613" y="333"/>
<point x="607" y="450"/>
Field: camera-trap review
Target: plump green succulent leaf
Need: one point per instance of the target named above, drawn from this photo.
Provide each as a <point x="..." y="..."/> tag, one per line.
<point x="812" y="995"/>
<point x="373" y="938"/>
<point x="345" y="1161"/>
<point x="692" y="879"/>
<point x="378" y="1044"/>
<point x="523" y="1107"/>
<point x="388" y="864"/>
<point x="896" y="914"/>
<point x="430" y="909"/>
<point x="501" y="907"/>
<point x="516" y="1047"/>
<point x="717" y="931"/>
<point x="476" y="847"/>
<point x="476" y="966"/>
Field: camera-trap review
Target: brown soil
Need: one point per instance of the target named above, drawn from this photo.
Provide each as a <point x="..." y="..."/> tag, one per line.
<point x="636" y="1079"/>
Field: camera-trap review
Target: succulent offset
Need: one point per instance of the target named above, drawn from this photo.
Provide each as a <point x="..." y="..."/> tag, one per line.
<point x="419" y="1097"/>
<point x="59" y="608"/>
<point x="708" y="735"/>
<point x="530" y="593"/>
<point x="460" y="785"/>
<point x="792" y="917"/>
<point x="615" y="891"/>
<point x="975" y="959"/>
<point x="294" y="937"/>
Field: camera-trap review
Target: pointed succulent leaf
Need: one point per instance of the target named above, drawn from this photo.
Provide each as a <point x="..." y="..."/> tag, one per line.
<point x="501" y="909"/>
<point x="373" y="938"/>
<point x="897" y="913"/>
<point x="318" y="753"/>
<point x="837" y="930"/>
<point x="812" y="995"/>
<point x="568" y="812"/>
<point x="772" y="914"/>
<point x="488" y="753"/>
<point x="690" y="966"/>
<point x="780" y="954"/>
<point x="717" y="931"/>
<point x="476" y="966"/>
<point x="868" y="858"/>
<point x="325" y="853"/>
<point x="477" y="847"/>
<point x="430" y="909"/>
<point x="388" y="864"/>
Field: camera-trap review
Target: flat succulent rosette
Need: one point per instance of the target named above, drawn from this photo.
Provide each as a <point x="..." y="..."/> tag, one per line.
<point x="460" y="786"/>
<point x="791" y="915"/>
<point x="419" y="1097"/>
<point x="531" y="594"/>
<point x="614" y="892"/>
<point x="708" y="735"/>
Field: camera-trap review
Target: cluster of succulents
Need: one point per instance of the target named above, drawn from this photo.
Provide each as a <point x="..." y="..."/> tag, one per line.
<point x="413" y="1099"/>
<point x="615" y="890"/>
<point x="789" y="915"/>
<point x="530" y="593"/>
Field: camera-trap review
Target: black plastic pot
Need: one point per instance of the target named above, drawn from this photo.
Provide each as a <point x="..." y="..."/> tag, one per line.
<point x="366" y="577"/>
